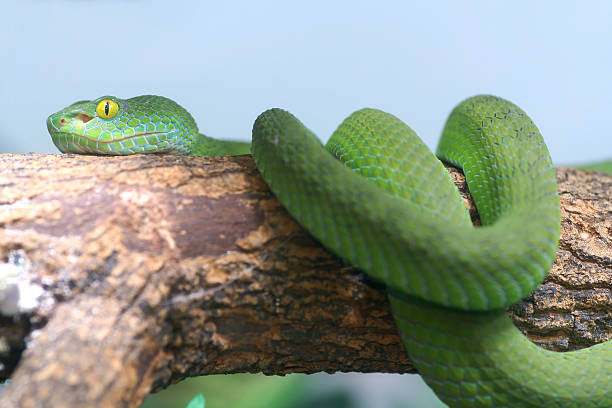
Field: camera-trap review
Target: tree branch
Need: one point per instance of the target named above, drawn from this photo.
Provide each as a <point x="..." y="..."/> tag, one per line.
<point x="125" y="274"/>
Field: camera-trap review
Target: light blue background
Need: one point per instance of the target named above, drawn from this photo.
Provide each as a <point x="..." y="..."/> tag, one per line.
<point x="228" y="61"/>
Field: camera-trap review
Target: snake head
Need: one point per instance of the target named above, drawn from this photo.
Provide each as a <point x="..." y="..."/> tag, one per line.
<point x="112" y="126"/>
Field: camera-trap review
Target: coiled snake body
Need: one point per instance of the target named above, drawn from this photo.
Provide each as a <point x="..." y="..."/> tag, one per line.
<point x="389" y="206"/>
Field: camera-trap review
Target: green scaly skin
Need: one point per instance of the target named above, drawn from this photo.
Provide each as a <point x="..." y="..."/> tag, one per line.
<point x="407" y="226"/>
<point x="144" y="124"/>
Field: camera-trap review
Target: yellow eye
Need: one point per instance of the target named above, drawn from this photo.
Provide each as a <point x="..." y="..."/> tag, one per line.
<point x="107" y="109"/>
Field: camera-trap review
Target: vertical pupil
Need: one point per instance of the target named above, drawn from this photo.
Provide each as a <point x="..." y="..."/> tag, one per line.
<point x="106" y="107"/>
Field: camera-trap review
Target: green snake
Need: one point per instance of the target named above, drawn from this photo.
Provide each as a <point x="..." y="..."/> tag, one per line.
<point x="389" y="206"/>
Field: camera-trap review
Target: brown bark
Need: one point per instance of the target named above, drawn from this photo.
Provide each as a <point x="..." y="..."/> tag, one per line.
<point x="155" y="268"/>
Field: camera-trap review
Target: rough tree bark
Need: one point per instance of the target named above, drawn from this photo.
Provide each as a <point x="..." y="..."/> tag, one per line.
<point x="123" y="275"/>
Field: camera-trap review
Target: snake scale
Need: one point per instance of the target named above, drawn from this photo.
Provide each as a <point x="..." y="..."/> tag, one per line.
<point x="389" y="206"/>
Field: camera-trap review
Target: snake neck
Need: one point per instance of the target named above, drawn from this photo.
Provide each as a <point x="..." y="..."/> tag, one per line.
<point x="207" y="146"/>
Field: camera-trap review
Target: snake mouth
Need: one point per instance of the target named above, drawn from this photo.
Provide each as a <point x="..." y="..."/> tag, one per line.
<point x="91" y="139"/>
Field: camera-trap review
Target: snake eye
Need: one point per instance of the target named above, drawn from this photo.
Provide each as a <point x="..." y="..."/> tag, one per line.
<point x="107" y="109"/>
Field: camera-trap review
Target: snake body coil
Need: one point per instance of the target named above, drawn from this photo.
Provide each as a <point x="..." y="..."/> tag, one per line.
<point x="389" y="206"/>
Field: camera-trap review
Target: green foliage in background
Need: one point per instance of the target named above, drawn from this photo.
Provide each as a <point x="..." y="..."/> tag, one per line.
<point x="232" y="391"/>
<point x="249" y="391"/>
<point x="604" y="166"/>
<point x="197" y="402"/>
